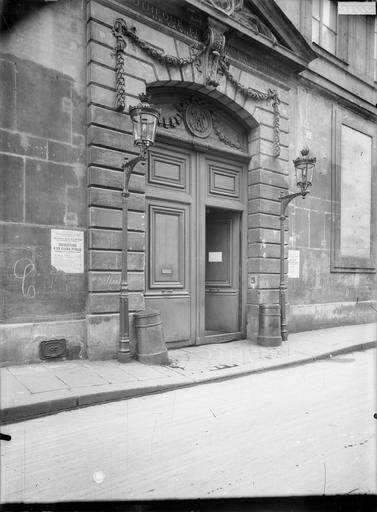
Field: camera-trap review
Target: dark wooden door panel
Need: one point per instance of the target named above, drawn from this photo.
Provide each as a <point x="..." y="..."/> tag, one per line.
<point x="167" y="258"/>
<point x="176" y="317"/>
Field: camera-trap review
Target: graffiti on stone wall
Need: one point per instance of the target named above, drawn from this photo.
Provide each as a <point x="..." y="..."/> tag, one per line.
<point x="30" y="285"/>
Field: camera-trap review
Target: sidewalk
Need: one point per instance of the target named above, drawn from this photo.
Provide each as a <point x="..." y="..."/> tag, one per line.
<point x="29" y="391"/>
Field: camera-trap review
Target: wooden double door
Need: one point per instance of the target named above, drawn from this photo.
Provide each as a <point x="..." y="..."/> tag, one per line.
<point x="195" y="245"/>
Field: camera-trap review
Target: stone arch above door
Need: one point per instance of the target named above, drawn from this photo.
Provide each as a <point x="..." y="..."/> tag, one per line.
<point x="199" y="117"/>
<point x="206" y="65"/>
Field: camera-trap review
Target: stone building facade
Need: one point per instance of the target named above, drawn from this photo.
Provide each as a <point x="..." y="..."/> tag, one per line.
<point x="242" y="86"/>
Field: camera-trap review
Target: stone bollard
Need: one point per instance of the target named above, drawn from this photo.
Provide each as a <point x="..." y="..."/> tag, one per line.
<point x="150" y="344"/>
<point x="269" y="334"/>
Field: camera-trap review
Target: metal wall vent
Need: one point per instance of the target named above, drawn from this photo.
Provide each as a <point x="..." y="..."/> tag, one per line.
<point x="53" y="349"/>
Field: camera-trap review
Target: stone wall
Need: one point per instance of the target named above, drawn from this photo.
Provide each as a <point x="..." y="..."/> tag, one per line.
<point x="43" y="176"/>
<point x="323" y="296"/>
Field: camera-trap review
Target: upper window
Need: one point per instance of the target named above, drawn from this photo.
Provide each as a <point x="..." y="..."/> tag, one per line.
<point x="324" y="24"/>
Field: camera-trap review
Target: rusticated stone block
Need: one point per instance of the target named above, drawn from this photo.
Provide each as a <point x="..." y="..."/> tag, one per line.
<point x="113" y="199"/>
<point x="260" y="220"/>
<point x="109" y="302"/>
<point x="264" y="250"/>
<point x="136" y="202"/>
<point x="136" y="221"/>
<point x="105" y="239"/>
<point x="261" y="191"/>
<point x="103" y="336"/>
<point x="106" y="157"/>
<point x="109" y="138"/>
<point x="7" y="94"/>
<point x="263" y="235"/>
<point x="105" y="218"/>
<point x="136" y="301"/>
<point x="114" y="179"/>
<point x="104" y="281"/>
<point x="11" y="188"/>
<point x="106" y="198"/>
<point x="264" y="206"/>
<point x="263" y="281"/>
<point x="264" y="265"/>
<point x="136" y="281"/>
<point x="109" y="118"/>
<point x="103" y="302"/>
<point x="267" y="177"/>
<point x="136" y="241"/>
<point x="105" y="260"/>
<point x="136" y="261"/>
<point x="262" y="296"/>
<point x="109" y="239"/>
<point x="252" y="324"/>
<point x="110" y="281"/>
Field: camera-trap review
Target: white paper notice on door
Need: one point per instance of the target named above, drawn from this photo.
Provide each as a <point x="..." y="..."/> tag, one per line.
<point x="215" y="257"/>
<point x="67" y="250"/>
<point x="293" y="264"/>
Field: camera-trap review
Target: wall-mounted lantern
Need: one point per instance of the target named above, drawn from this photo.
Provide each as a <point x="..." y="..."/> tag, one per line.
<point x="304" y="167"/>
<point x="144" y="119"/>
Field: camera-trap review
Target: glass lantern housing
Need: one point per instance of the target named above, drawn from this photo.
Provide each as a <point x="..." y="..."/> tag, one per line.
<point x="304" y="166"/>
<point x="144" y="120"/>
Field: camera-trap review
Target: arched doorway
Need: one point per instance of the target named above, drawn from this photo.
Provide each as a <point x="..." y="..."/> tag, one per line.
<point x="196" y="220"/>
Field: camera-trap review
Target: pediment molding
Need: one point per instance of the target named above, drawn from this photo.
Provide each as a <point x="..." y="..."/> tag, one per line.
<point x="264" y="25"/>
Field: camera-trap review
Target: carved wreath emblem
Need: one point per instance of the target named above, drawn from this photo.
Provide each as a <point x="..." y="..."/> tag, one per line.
<point x="227" y="6"/>
<point x="198" y="120"/>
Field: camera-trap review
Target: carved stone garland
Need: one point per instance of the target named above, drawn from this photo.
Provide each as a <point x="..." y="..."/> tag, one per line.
<point x="120" y="46"/>
<point x="219" y="63"/>
<point x="270" y="95"/>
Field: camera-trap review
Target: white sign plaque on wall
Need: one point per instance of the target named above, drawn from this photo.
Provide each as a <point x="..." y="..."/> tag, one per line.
<point x="67" y="250"/>
<point x="293" y="264"/>
<point x="215" y="257"/>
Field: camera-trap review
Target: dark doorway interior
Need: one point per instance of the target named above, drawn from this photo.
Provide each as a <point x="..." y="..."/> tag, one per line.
<point x="222" y="273"/>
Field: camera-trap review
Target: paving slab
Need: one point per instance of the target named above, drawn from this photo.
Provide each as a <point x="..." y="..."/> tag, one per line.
<point x="79" y="377"/>
<point x="143" y="372"/>
<point x="37" y="379"/>
<point x="14" y="393"/>
<point x="112" y="374"/>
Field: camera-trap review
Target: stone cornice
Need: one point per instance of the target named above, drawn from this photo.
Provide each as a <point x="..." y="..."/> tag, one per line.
<point x="340" y="94"/>
<point x="296" y="59"/>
